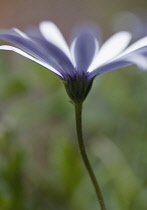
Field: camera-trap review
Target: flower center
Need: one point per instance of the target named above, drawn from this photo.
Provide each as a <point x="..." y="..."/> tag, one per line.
<point x="77" y="87"/>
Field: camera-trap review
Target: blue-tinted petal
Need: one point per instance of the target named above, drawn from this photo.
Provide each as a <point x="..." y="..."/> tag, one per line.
<point x="83" y="49"/>
<point x="24" y="54"/>
<point x="140" y="61"/>
<point x="57" y="54"/>
<point x="124" y="60"/>
<point x="30" y="47"/>
<point x="109" y="67"/>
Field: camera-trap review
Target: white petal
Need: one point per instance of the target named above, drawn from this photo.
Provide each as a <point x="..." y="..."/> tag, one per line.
<point x="21" y="33"/>
<point x="51" y="32"/>
<point x="72" y="47"/>
<point x="111" y="48"/>
<point x="14" y="49"/>
<point x="140" y="43"/>
<point x="140" y="61"/>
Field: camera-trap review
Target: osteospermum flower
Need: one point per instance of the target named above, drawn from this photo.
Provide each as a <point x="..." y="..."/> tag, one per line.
<point x="80" y="63"/>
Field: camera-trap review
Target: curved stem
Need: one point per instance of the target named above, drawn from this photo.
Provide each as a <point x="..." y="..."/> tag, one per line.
<point x="78" y="116"/>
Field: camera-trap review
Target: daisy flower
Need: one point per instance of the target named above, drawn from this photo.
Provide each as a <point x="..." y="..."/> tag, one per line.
<point x="80" y="63"/>
<point x="77" y="65"/>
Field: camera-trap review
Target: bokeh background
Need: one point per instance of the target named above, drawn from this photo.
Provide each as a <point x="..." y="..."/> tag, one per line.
<point x="40" y="165"/>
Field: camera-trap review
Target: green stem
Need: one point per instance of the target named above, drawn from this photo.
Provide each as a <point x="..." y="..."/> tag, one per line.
<point x="78" y="116"/>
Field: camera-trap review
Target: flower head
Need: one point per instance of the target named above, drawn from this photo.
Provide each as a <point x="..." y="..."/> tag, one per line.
<point x="78" y="65"/>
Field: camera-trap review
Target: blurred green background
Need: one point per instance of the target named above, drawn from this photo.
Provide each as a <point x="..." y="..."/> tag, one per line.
<point x="40" y="165"/>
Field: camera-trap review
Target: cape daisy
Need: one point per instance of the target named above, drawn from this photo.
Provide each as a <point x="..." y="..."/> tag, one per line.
<point x="80" y="63"/>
